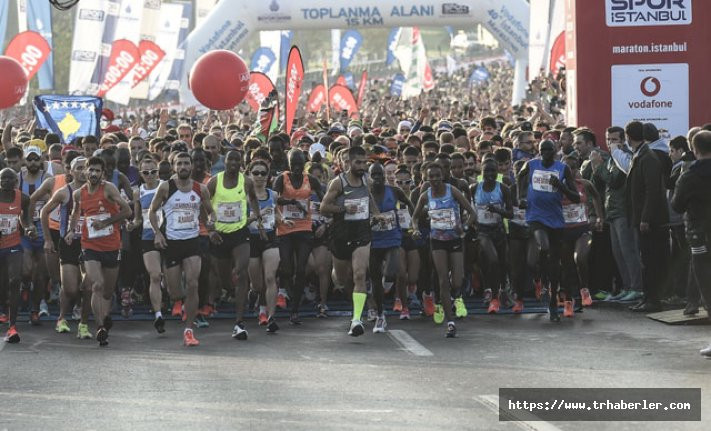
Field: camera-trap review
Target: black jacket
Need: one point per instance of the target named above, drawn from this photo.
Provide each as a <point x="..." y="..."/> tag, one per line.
<point x="646" y="191"/>
<point x="692" y="196"/>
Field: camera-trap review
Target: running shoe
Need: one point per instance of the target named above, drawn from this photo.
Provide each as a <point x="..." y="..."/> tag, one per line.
<point x="372" y="315"/>
<point x="54" y="293"/>
<point x="272" y="327"/>
<point x="189" y="339"/>
<point x="706" y="352"/>
<point x="380" y="325"/>
<point x="451" y="330"/>
<point x="83" y="332"/>
<point x="460" y="310"/>
<point x="76" y="312"/>
<point x="518" y="307"/>
<point x="553" y="315"/>
<point x="405" y="314"/>
<point x="281" y="299"/>
<point x="159" y="324"/>
<point x="43" y="308"/>
<point x="3" y="318"/>
<point x="102" y="336"/>
<point x="568" y="310"/>
<point x="586" y="298"/>
<point x="493" y="306"/>
<point x="356" y="329"/>
<point x="413" y="302"/>
<point x="263" y="319"/>
<point x="201" y="321"/>
<point x="34" y="318"/>
<point x="177" y="308"/>
<point x="294" y="319"/>
<point x="487" y="296"/>
<point x="397" y="305"/>
<point x="602" y="295"/>
<point x="429" y="305"/>
<point x="126" y="311"/>
<point x="322" y="311"/>
<point x="238" y="332"/>
<point x="62" y="327"/>
<point x="438" y="315"/>
<point x="617" y="297"/>
<point x="12" y="336"/>
<point x="538" y="288"/>
<point x="632" y="295"/>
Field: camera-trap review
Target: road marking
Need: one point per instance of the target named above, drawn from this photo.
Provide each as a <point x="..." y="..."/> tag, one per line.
<point x="408" y="343"/>
<point x="492" y="403"/>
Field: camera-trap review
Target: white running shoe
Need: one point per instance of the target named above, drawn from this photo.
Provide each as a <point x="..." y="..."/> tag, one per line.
<point x="43" y="308"/>
<point x="356" y="329"/>
<point x="372" y="315"/>
<point x="380" y="325"/>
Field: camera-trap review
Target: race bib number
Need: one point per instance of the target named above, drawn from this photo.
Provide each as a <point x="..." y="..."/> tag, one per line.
<point x="484" y="216"/>
<point x="78" y="227"/>
<point x="267" y="219"/>
<point x="387" y="222"/>
<point x="8" y="223"/>
<point x="519" y="216"/>
<point x="94" y="233"/>
<point x="575" y="213"/>
<point x="147" y="220"/>
<point x="38" y="208"/>
<point x="315" y="208"/>
<point x="362" y="209"/>
<point x="229" y="212"/>
<point x="541" y="181"/>
<point x="405" y="219"/>
<point x="293" y="212"/>
<point x="185" y="220"/>
<point x="442" y="219"/>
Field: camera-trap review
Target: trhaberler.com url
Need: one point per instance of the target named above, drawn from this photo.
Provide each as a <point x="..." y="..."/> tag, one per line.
<point x="650" y="48"/>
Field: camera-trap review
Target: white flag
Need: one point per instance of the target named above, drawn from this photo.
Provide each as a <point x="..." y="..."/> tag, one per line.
<point x="128" y="26"/>
<point x="21" y="16"/>
<point x="90" y="20"/>
<point x="167" y="38"/>
<point x="335" y="51"/>
<point x="272" y="40"/>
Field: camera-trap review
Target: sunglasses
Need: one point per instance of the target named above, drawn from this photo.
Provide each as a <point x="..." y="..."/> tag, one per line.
<point x="259" y="173"/>
<point x="32" y="159"/>
<point x="151" y="172"/>
<point x="403" y="182"/>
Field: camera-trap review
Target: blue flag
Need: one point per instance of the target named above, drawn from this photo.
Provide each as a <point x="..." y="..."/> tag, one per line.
<point x="39" y="19"/>
<point x="392" y="43"/>
<point x="262" y="60"/>
<point x="3" y="22"/>
<point x="396" y="85"/>
<point x="285" y="46"/>
<point x="350" y="44"/>
<point x="350" y="82"/>
<point x="479" y="74"/>
<point x="69" y="116"/>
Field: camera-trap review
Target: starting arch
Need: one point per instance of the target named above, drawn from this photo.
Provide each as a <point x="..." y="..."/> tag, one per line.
<point x="231" y="22"/>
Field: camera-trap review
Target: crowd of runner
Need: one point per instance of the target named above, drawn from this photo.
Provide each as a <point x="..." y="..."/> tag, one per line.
<point x="413" y="206"/>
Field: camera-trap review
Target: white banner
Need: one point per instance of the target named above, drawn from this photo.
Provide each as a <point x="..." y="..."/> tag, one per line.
<point x="173" y="24"/>
<point x="91" y="19"/>
<point x="557" y="27"/>
<point x="128" y="26"/>
<point x="539" y="30"/>
<point x="150" y="23"/>
<point x="202" y="10"/>
<point x="335" y="51"/>
<point x="21" y="16"/>
<point x="271" y="40"/>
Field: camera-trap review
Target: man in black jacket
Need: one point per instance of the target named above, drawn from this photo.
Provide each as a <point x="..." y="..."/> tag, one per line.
<point x="692" y="197"/>
<point x="648" y="214"/>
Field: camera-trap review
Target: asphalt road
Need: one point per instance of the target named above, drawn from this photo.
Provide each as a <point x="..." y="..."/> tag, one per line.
<point x="316" y="377"/>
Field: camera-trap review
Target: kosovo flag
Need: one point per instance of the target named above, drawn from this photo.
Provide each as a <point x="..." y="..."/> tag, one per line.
<point x="69" y="116"/>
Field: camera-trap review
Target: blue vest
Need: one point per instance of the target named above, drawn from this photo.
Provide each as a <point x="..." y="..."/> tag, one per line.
<point x="482" y="199"/>
<point x="267" y="209"/>
<point x="544" y="201"/>
<point x="28" y="189"/>
<point x="146" y="197"/>
<point x="387" y="234"/>
<point x="445" y="224"/>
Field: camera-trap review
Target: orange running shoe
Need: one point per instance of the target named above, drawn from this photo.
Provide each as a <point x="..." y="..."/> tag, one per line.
<point x="429" y="306"/>
<point x="494" y="306"/>
<point x="518" y="307"/>
<point x="189" y="339"/>
<point x="263" y="319"/>
<point x="177" y="308"/>
<point x="568" y="310"/>
<point x="281" y="300"/>
<point x="397" y="305"/>
<point x="585" y="295"/>
<point x="539" y="288"/>
<point x="12" y="336"/>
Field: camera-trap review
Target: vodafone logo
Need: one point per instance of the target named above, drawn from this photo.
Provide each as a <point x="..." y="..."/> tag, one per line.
<point x="650" y="86"/>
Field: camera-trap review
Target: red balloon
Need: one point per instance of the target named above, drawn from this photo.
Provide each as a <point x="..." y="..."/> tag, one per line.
<point x="219" y="80"/>
<point x="13" y="82"/>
